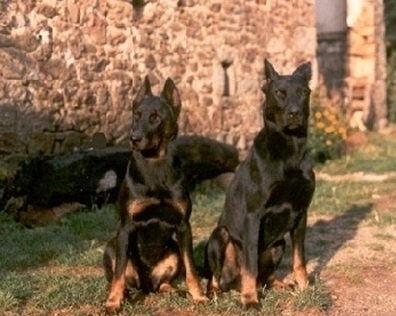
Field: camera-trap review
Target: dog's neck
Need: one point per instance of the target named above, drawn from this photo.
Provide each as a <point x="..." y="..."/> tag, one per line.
<point x="163" y="155"/>
<point x="151" y="154"/>
<point x="152" y="171"/>
<point x="281" y="145"/>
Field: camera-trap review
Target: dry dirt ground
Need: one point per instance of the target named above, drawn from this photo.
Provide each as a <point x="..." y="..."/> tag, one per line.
<point x="362" y="282"/>
<point x="358" y="262"/>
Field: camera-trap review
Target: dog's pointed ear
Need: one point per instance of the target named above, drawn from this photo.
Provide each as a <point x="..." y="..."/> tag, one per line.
<point x="172" y="96"/>
<point x="144" y="90"/>
<point x="269" y="71"/>
<point x="270" y="74"/>
<point x="304" y="71"/>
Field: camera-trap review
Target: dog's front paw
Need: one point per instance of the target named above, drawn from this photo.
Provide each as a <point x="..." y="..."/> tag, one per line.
<point x="303" y="284"/>
<point x="301" y="276"/>
<point x="200" y="298"/>
<point x="166" y="288"/>
<point x="278" y="285"/>
<point x="250" y="300"/>
<point x="113" y="304"/>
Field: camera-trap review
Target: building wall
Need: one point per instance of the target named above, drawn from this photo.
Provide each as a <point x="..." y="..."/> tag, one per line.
<point x="71" y="68"/>
<point x="366" y="79"/>
<point x="352" y="60"/>
<point x="331" y="16"/>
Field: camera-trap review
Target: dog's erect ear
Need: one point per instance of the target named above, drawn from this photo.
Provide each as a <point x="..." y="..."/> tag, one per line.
<point x="270" y="73"/>
<point x="171" y="95"/>
<point x="144" y="90"/>
<point x="304" y="71"/>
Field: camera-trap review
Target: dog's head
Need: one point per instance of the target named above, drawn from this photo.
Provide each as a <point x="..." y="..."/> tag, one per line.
<point x="154" y="119"/>
<point x="286" y="107"/>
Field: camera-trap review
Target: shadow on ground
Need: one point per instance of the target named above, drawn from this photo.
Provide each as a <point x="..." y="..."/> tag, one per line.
<point x="325" y="238"/>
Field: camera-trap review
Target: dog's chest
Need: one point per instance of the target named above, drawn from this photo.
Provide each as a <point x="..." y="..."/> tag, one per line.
<point x="289" y="197"/>
<point x="157" y="180"/>
<point x="290" y="186"/>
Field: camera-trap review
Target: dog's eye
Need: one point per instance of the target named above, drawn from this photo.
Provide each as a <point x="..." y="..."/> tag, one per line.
<point x="302" y="92"/>
<point x="280" y="94"/>
<point x="136" y="115"/>
<point x="154" y="117"/>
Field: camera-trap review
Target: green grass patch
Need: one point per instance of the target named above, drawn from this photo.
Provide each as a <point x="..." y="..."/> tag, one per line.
<point x="56" y="269"/>
<point x="378" y="156"/>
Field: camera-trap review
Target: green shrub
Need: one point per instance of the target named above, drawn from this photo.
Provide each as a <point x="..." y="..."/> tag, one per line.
<point x="327" y="133"/>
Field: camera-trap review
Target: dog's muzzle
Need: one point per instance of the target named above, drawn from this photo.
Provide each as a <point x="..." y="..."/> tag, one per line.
<point x="293" y="119"/>
<point x="135" y="140"/>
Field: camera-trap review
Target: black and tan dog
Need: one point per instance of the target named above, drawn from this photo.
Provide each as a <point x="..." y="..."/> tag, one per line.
<point x="154" y="239"/>
<point x="268" y="196"/>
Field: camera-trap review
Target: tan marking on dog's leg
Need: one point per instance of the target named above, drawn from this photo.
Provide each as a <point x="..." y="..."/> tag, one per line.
<point x="214" y="285"/>
<point x="299" y="268"/>
<point x="231" y="257"/>
<point x="131" y="275"/>
<point x="192" y="281"/>
<point x="166" y="288"/>
<point x="213" y="288"/>
<point x="166" y="270"/>
<point x="116" y="294"/>
<point x="275" y="284"/>
<point x="248" y="288"/>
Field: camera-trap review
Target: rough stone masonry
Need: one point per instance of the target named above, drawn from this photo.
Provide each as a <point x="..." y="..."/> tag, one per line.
<point x="71" y="68"/>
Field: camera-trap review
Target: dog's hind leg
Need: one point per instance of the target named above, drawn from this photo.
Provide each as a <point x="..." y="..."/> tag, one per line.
<point x="215" y="257"/>
<point x="165" y="271"/>
<point x="269" y="262"/>
<point x="223" y="261"/>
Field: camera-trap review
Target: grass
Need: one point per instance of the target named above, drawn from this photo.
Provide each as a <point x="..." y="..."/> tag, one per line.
<point x="377" y="156"/>
<point x="56" y="269"/>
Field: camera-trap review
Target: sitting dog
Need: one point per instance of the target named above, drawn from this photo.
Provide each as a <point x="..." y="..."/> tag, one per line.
<point x="154" y="238"/>
<point x="269" y="195"/>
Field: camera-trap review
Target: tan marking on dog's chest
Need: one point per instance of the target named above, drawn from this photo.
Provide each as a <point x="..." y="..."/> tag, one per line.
<point x="180" y="205"/>
<point x="136" y="206"/>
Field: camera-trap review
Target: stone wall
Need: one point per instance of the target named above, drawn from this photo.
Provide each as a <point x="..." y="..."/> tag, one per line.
<point x="352" y="60"/>
<point x="366" y="81"/>
<point x="71" y="68"/>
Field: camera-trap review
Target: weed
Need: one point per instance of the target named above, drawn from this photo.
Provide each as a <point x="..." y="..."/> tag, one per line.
<point x="327" y="133"/>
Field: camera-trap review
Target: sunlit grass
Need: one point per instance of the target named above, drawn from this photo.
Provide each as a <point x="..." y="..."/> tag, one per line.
<point x="56" y="269"/>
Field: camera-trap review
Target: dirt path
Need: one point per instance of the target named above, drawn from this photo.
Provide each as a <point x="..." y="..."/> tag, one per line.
<point x="357" y="263"/>
<point x="372" y="293"/>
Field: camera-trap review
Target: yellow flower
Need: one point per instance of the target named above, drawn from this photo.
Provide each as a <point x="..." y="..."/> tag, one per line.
<point x="320" y="125"/>
<point x="342" y="132"/>
<point x="332" y="118"/>
<point x="329" y="129"/>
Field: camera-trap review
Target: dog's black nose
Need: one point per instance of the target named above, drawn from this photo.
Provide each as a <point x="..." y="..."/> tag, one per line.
<point x="135" y="138"/>
<point x="293" y="113"/>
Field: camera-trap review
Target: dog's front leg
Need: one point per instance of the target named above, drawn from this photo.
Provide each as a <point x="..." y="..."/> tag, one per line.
<point x="249" y="269"/>
<point x="299" y="264"/>
<point x="117" y="286"/>
<point x="184" y="239"/>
